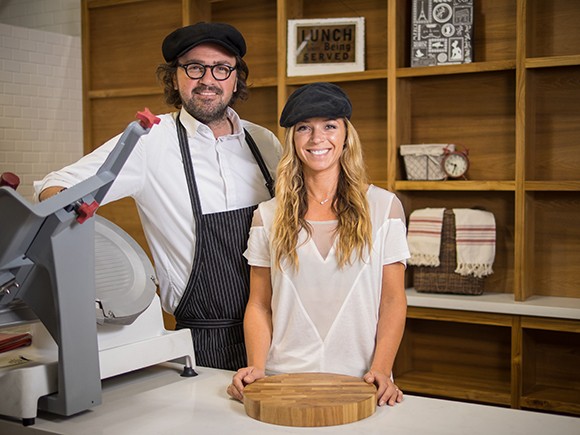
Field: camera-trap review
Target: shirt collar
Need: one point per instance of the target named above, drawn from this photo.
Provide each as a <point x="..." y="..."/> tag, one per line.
<point x="192" y="125"/>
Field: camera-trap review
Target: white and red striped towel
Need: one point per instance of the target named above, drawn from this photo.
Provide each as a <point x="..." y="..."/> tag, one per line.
<point x="424" y="236"/>
<point x="475" y="239"/>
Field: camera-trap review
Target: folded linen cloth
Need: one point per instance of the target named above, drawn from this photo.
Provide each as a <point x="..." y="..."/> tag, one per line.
<point x="475" y="241"/>
<point x="424" y="236"/>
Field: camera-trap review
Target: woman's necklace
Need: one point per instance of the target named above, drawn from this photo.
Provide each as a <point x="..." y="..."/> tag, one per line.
<point x="324" y="201"/>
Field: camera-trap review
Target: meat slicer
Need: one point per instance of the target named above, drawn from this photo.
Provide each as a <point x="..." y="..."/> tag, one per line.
<point x="87" y="291"/>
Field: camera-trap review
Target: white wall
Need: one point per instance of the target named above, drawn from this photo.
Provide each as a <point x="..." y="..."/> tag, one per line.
<point x="56" y="16"/>
<point x="41" y="88"/>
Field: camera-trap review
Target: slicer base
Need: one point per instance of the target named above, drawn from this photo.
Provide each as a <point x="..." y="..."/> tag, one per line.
<point x="122" y="348"/>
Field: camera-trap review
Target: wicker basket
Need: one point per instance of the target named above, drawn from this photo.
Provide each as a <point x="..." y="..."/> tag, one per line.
<point x="443" y="279"/>
<point x="423" y="162"/>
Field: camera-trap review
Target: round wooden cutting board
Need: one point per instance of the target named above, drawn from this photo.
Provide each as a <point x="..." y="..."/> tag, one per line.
<point x="310" y="399"/>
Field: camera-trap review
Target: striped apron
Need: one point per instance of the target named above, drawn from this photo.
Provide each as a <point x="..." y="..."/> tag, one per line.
<point x="214" y="300"/>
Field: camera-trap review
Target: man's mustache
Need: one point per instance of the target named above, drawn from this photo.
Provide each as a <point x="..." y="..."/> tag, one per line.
<point x="205" y="88"/>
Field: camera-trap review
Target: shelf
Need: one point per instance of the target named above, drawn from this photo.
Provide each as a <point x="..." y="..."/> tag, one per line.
<point x="516" y="108"/>
<point x="448" y="185"/>
<point x="550" y="361"/>
<point x="552" y="61"/>
<point x="125" y="92"/>
<point x="439" y="357"/>
<point x="499" y="303"/>
<point x="475" y="111"/>
<point x="128" y="48"/>
<point x="494" y="37"/>
<point x="547" y="398"/>
<point x="552" y="126"/>
<point x="500" y="203"/>
<point x="554" y="249"/>
<point x="265" y="82"/>
<point x="337" y="78"/>
<point x="557" y="186"/>
<point x="552" y="28"/>
<point x="452" y="386"/>
<point x="547" y="324"/>
<point x="474" y="67"/>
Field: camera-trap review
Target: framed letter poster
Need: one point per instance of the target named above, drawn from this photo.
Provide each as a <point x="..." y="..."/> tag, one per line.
<point x="442" y="32"/>
<point x="325" y="46"/>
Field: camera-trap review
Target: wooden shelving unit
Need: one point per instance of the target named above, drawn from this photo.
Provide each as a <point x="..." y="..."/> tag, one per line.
<point x="517" y="109"/>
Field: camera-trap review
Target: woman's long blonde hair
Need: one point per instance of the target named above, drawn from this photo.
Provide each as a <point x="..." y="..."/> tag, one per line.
<point x="350" y="204"/>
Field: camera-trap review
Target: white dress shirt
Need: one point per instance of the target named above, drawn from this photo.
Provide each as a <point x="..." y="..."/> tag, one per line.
<point x="227" y="177"/>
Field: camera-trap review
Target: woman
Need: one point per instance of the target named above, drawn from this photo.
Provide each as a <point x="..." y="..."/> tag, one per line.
<point x="328" y="256"/>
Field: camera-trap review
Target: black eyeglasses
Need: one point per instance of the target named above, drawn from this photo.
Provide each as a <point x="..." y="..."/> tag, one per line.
<point x="195" y="70"/>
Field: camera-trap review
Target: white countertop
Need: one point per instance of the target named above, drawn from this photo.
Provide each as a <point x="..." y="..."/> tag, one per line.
<point x="157" y="401"/>
<point x="500" y="303"/>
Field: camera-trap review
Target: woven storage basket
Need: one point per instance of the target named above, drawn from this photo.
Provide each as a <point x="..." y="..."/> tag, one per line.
<point x="423" y="162"/>
<point x="443" y="279"/>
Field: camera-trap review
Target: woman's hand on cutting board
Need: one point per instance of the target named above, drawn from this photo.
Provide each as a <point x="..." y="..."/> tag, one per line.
<point x="243" y="377"/>
<point x="387" y="391"/>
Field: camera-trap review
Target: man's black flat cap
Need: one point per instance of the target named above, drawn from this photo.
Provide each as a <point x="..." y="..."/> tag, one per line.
<point x="185" y="38"/>
<point x="316" y="100"/>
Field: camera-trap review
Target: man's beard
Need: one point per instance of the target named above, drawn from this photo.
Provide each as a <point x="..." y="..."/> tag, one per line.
<point x="205" y="113"/>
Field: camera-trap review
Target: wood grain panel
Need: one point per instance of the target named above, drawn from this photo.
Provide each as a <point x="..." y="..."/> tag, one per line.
<point x="125" y="42"/>
<point x="369" y="117"/>
<point x="256" y="19"/>
<point x="556" y="262"/>
<point x="448" y="386"/>
<point x="260" y="108"/>
<point x="553" y="28"/>
<point x="494" y="31"/>
<point x="473" y="110"/>
<point x="554" y="125"/>
<point x="450" y="359"/>
<point x="110" y="116"/>
<point x="449" y="348"/>
<point x="551" y="380"/>
<point x="557" y="359"/>
<point x="375" y="14"/>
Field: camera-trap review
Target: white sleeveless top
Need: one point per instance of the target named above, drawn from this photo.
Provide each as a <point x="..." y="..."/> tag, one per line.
<point x="325" y="318"/>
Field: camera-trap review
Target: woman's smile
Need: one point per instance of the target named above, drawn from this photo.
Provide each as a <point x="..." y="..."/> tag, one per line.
<point x="319" y="143"/>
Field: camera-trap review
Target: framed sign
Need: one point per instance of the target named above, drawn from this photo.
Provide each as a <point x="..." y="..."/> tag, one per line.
<point x="325" y="46"/>
<point x="442" y="32"/>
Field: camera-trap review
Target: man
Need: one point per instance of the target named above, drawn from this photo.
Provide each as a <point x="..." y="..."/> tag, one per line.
<point x="196" y="181"/>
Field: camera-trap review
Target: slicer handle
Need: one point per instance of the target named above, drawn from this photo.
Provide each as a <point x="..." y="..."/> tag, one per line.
<point x="147" y="119"/>
<point x="9" y="179"/>
<point x="86" y="211"/>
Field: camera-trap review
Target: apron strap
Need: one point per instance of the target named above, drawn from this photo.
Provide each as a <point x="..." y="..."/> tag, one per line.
<point x="196" y="207"/>
<point x="260" y="161"/>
